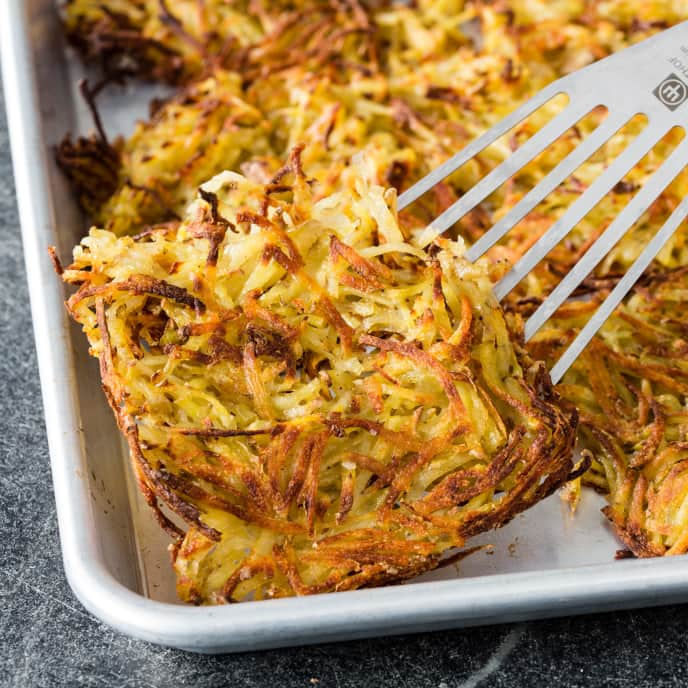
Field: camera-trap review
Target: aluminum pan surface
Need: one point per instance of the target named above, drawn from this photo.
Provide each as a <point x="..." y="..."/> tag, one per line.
<point x="545" y="563"/>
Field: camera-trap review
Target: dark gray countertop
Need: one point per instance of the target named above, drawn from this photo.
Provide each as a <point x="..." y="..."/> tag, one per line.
<point x="47" y="639"/>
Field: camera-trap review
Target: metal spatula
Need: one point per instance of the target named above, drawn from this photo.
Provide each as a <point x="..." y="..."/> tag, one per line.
<point x="650" y="78"/>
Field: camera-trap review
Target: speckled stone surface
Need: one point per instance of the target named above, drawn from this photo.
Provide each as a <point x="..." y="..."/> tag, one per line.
<point x="48" y="640"/>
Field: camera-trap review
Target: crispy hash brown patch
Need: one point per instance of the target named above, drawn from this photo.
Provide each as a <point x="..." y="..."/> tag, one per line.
<point x="410" y="85"/>
<point x="631" y="389"/>
<point x="177" y="41"/>
<point x="320" y="403"/>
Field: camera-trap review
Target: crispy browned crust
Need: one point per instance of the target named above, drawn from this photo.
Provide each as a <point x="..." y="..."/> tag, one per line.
<point x="140" y="284"/>
<point x="92" y="166"/>
<point x="55" y="260"/>
<point x="631" y="386"/>
<point x="114" y="42"/>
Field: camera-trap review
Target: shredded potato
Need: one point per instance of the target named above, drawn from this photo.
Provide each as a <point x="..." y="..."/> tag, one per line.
<point x="323" y="409"/>
<point x="177" y="41"/>
<point x="630" y="386"/>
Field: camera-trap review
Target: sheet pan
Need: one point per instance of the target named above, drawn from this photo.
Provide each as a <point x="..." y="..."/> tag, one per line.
<point x="547" y="562"/>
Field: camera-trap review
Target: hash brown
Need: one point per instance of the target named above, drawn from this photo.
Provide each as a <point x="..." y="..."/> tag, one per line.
<point x="322" y="403"/>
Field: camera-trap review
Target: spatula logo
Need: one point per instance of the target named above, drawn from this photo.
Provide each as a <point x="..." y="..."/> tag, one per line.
<point x="672" y="92"/>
